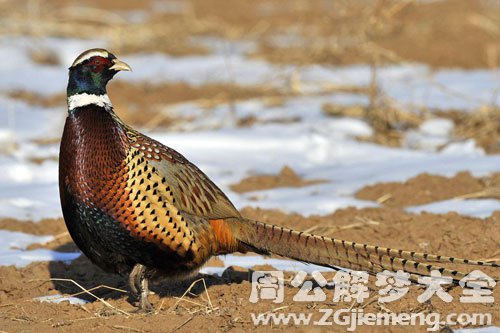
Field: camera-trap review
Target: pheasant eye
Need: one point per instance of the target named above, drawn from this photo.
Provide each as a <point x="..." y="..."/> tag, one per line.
<point x="97" y="64"/>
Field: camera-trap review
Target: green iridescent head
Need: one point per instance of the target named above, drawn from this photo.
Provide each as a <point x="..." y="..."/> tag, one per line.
<point x="92" y="70"/>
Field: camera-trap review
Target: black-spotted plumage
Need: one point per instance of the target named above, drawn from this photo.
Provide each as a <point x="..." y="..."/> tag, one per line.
<point x="134" y="205"/>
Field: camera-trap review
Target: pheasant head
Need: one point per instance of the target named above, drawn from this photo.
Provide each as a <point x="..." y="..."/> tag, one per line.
<point x="89" y="75"/>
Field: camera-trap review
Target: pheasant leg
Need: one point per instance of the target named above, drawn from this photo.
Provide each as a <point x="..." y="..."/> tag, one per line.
<point x="139" y="285"/>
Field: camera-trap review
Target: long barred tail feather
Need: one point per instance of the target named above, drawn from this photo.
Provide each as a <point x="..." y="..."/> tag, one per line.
<point x="268" y="238"/>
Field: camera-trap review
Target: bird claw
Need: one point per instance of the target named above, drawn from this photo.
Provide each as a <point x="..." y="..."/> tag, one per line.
<point x="139" y="286"/>
<point x="144" y="307"/>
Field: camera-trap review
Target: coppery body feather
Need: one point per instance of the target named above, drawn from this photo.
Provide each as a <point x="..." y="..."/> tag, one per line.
<point x="134" y="205"/>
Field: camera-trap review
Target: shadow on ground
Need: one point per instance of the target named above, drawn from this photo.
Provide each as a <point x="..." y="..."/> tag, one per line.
<point x="88" y="275"/>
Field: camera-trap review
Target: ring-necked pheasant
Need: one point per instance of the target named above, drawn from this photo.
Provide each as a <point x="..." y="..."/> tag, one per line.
<point x="134" y="205"/>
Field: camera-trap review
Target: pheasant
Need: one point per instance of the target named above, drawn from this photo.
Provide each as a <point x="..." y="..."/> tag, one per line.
<point x="135" y="206"/>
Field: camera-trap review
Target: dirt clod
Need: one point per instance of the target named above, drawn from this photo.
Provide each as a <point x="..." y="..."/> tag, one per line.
<point x="286" y="178"/>
<point x="426" y="188"/>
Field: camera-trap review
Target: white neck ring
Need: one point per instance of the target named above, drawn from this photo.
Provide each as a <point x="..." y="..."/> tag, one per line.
<point x="79" y="100"/>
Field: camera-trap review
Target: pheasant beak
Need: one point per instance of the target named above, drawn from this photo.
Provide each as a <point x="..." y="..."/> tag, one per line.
<point x="119" y="65"/>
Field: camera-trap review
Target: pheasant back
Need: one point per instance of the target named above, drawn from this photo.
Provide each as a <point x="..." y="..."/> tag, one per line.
<point x="134" y="205"/>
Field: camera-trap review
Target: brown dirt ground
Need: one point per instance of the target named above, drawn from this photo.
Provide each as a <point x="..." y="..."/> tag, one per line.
<point x="139" y="104"/>
<point x="285" y="178"/>
<point x="452" y="33"/>
<point x="449" y="234"/>
<point x="426" y="188"/>
<point x="435" y="33"/>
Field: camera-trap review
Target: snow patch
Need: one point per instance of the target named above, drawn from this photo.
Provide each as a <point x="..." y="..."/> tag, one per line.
<point x="58" y="298"/>
<point x="13" y="251"/>
<point x="481" y="208"/>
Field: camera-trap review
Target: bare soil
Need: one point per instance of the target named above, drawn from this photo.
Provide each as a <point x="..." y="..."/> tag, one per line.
<point x="141" y="104"/>
<point x="285" y="178"/>
<point x="144" y="105"/>
<point x="426" y="188"/>
<point x="450" y="33"/>
<point x="449" y="234"/>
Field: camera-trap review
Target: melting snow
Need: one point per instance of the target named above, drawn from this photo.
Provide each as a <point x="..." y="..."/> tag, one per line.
<point x="58" y="298"/>
<point x="476" y="208"/>
<point x="408" y="84"/>
<point x="251" y="261"/>
<point x="13" y="249"/>
<point x="315" y="146"/>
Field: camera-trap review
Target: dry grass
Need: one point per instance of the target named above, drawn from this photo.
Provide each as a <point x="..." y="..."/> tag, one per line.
<point x="326" y="32"/>
<point x="340" y="32"/>
<point x="482" y="125"/>
<point x="89" y="292"/>
<point x="207" y="308"/>
<point x="388" y="121"/>
<point x="304" y="32"/>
